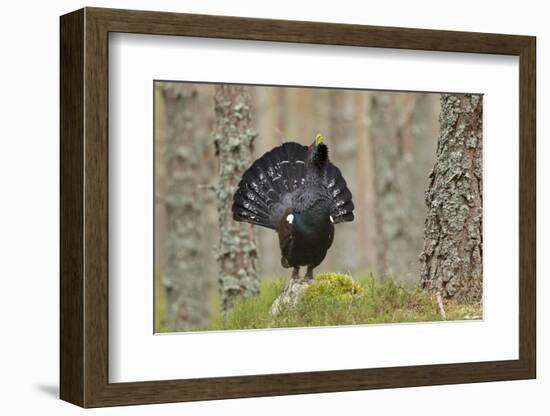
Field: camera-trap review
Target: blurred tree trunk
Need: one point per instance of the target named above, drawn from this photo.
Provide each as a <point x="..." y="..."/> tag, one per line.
<point x="423" y="131"/>
<point x="204" y="123"/>
<point x="160" y="181"/>
<point x="451" y="263"/>
<point x="322" y="119"/>
<point x="393" y="247"/>
<point x="233" y="139"/>
<point x="364" y="200"/>
<point x="268" y="105"/>
<point x="423" y="140"/>
<point x="344" y="149"/>
<point x="184" y="280"/>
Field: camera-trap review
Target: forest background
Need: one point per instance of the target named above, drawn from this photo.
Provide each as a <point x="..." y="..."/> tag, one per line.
<point x="385" y="144"/>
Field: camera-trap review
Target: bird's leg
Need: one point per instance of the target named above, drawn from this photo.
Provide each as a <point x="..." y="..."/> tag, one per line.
<point x="309" y="273"/>
<point x="295" y="274"/>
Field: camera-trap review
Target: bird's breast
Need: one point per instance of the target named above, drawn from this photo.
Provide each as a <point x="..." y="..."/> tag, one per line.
<point x="311" y="225"/>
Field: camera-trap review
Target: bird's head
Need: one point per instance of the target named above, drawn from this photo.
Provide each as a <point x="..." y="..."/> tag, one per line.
<point x="317" y="152"/>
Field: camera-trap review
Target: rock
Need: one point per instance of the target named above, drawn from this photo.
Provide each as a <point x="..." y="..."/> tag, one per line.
<point x="292" y="293"/>
<point x="337" y="286"/>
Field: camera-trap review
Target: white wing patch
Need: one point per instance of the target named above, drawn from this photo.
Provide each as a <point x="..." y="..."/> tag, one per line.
<point x="331" y="219"/>
<point x="289" y="218"/>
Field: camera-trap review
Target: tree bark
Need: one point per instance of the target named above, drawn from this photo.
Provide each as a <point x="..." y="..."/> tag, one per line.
<point x="233" y="139"/>
<point x="451" y="262"/>
<point x="184" y="280"/>
<point x="393" y="248"/>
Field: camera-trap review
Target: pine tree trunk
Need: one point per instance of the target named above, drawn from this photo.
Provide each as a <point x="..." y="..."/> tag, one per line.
<point x="233" y="139"/>
<point x="393" y="242"/>
<point x="184" y="280"/>
<point x="451" y="263"/>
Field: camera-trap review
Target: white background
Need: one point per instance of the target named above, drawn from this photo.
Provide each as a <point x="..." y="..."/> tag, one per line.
<point x="29" y="209"/>
<point x="131" y="229"/>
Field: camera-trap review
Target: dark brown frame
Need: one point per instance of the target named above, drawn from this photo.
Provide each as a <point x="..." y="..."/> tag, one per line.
<point x="84" y="207"/>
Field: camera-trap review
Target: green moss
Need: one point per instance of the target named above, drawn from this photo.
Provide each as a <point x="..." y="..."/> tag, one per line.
<point x="337" y="299"/>
<point x="160" y="304"/>
<point x="339" y="286"/>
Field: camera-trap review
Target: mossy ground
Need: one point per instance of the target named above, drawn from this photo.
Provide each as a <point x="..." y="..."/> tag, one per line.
<point x="336" y="299"/>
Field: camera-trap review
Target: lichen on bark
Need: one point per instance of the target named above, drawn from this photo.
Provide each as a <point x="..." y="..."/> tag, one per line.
<point x="233" y="140"/>
<point x="451" y="262"/>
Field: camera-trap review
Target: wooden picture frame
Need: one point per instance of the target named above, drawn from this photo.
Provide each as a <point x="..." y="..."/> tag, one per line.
<point x="84" y="207"/>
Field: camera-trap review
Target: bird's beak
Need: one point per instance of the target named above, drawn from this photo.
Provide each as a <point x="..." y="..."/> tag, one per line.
<point x="319" y="139"/>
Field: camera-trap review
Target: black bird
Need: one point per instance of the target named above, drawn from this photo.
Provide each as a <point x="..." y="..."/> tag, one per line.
<point x="298" y="192"/>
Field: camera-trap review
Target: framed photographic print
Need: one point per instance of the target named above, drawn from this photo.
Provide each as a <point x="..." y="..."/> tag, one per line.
<point x="255" y="207"/>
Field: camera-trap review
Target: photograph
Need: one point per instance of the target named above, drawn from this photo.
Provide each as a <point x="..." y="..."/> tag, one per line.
<point x="284" y="206"/>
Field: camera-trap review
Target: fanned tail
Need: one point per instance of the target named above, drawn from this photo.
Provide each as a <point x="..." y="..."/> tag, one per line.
<point x="264" y="192"/>
<point x="342" y="204"/>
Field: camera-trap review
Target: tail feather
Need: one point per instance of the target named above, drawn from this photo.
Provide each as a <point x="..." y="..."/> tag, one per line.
<point x="250" y="201"/>
<point x="264" y="189"/>
<point x="255" y="190"/>
<point x="342" y="204"/>
<point x="294" y="169"/>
